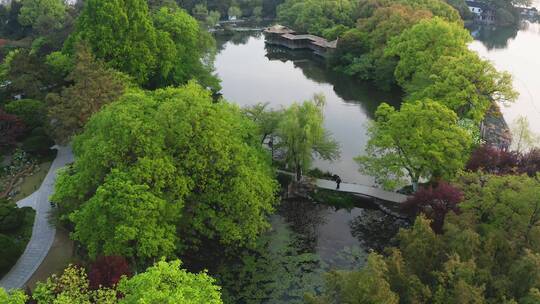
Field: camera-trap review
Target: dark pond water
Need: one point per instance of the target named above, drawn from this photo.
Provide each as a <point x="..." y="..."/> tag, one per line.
<point x="516" y="50"/>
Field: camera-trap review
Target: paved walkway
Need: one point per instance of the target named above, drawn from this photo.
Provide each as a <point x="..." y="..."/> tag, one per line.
<point x="43" y="232"/>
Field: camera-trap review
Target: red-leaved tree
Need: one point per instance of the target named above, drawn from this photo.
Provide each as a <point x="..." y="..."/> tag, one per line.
<point x="107" y="271"/>
<point x="435" y="203"/>
<point x="493" y="160"/>
<point x="529" y="163"/>
<point x="11" y="127"/>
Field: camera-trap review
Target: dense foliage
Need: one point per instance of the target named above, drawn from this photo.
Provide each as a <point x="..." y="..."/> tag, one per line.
<point x="15" y="231"/>
<point x="166" y="47"/>
<point x="11" y="127"/>
<point x="93" y="86"/>
<point x="165" y="149"/>
<point x="164" y="282"/>
<point x="420" y="141"/>
<point x="318" y="17"/>
<point x="487" y="254"/>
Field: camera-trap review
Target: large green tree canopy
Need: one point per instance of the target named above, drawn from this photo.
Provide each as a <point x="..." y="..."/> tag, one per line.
<point x="466" y="84"/>
<point x="419" y="47"/>
<point x="168" y="283"/>
<point x="421" y="140"/>
<point x="164" y="48"/>
<point x="156" y="161"/>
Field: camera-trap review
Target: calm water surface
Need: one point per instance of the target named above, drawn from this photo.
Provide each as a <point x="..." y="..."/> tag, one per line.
<point x="516" y="50"/>
<point x="252" y="72"/>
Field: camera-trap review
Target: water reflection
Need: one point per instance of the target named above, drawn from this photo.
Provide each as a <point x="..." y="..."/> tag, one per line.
<point x="495" y="37"/>
<point x="518" y="53"/>
<point x="253" y="72"/>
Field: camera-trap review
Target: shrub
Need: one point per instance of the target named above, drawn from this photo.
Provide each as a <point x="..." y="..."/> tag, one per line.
<point x="38" y="145"/>
<point x="529" y="163"/>
<point x="9" y="253"/>
<point x="493" y="160"/>
<point x="11" y="127"/>
<point x="11" y="217"/>
<point x="32" y="112"/>
<point x="435" y="203"/>
<point x="107" y="271"/>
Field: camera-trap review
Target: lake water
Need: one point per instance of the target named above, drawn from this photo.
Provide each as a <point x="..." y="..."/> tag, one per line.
<point x="252" y="72"/>
<point x="516" y="50"/>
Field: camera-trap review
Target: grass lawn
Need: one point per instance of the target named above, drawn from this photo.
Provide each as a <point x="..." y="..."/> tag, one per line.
<point x="31" y="183"/>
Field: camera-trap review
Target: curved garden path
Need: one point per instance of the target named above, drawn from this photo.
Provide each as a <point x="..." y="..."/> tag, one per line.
<point x="43" y="232"/>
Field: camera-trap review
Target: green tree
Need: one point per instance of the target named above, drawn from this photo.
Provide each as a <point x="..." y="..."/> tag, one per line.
<point x="174" y="149"/>
<point x="144" y="224"/>
<point x="315" y="16"/>
<point x="302" y="135"/>
<point x="32" y="112"/>
<point x="200" y="11"/>
<point x="41" y="14"/>
<point x="361" y="51"/>
<point x="186" y="51"/>
<point x="213" y="19"/>
<point x="93" y="86"/>
<point x="489" y="252"/>
<point x="523" y="138"/>
<point x="421" y="140"/>
<point x="266" y="120"/>
<point x="368" y="286"/>
<point x="125" y="35"/>
<point x="166" y="282"/>
<point x="72" y="286"/>
<point x="464" y="83"/>
<point x="234" y="11"/>
<point x="419" y="47"/>
<point x="120" y="32"/>
<point x="13" y="297"/>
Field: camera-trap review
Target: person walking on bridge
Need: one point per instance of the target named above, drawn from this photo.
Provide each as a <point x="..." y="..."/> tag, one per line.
<point x="338" y="181"/>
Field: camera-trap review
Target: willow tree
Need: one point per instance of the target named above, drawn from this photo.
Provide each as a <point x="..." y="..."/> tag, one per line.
<point x="303" y="136"/>
<point x="421" y="140"/>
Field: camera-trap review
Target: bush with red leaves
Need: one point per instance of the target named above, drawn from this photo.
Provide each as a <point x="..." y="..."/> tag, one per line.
<point x="107" y="271"/>
<point x="11" y="127"/>
<point x="496" y="161"/>
<point x="435" y="203"/>
<point x="493" y="160"/>
<point x="529" y="163"/>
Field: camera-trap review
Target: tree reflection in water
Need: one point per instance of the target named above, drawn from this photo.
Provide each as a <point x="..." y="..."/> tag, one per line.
<point x="376" y="230"/>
